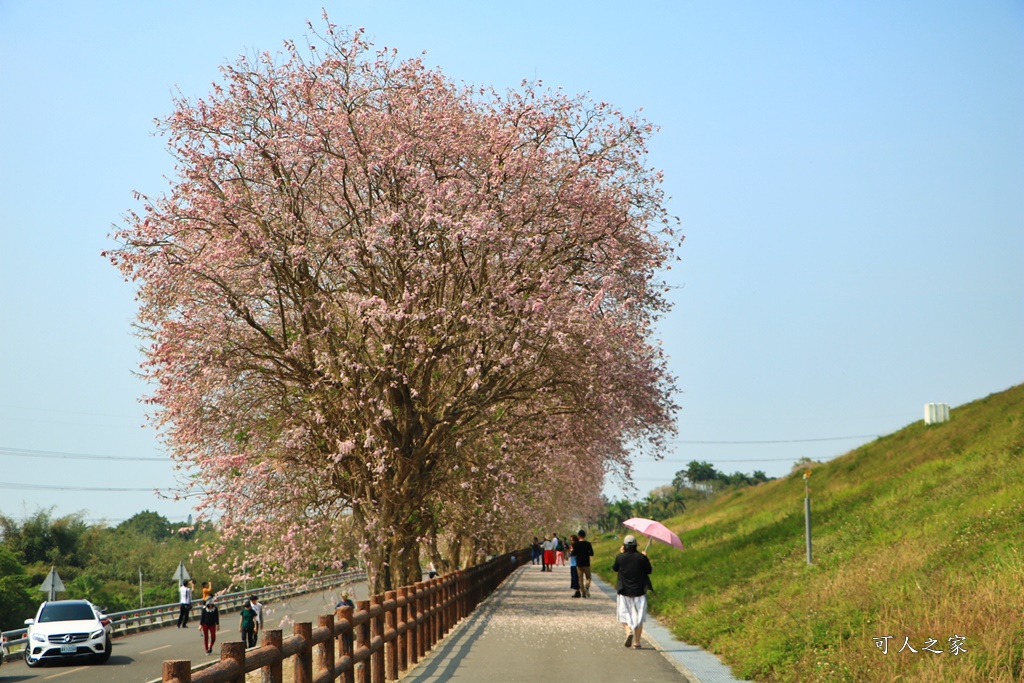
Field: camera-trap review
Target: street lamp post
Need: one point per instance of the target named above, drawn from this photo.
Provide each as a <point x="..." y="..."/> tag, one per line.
<point x="807" y="512"/>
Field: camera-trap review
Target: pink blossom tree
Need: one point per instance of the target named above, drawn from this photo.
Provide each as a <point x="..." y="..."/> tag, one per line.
<point x="383" y="305"/>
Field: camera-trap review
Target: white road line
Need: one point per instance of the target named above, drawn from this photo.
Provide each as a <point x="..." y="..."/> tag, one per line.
<point x="65" y="673"/>
<point x="162" y="647"/>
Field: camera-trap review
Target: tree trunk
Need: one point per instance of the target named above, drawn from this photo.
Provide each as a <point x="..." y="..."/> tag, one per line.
<point x="454" y="551"/>
<point x="379" y="565"/>
<point x="393" y="554"/>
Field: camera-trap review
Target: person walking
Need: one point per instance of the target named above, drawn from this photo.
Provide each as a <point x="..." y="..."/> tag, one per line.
<point x="209" y="623"/>
<point x="549" y="553"/>
<point x="248" y="624"/>
<point x="345" y="601"/>
<point x="583" y="551"/>
<point x="184" y="604"/>
<point x="559" y="551"/>
<point x="634" y="571"/>
<point x="574" y="577"/>
<point x="257" y="607"/>
<point x="536" y="552"/>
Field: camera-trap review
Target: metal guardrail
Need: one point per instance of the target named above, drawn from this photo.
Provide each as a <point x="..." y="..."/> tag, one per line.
<point x="159" y="616"/>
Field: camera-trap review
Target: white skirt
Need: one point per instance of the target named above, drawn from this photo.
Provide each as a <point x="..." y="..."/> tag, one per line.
<point x="632" y="611"/>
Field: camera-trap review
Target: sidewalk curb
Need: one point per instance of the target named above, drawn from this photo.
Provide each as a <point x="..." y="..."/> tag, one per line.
<point x="680" y="655"/>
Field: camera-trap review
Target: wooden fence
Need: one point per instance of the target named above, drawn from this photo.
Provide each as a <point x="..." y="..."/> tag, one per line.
<point x="379" y="640"/>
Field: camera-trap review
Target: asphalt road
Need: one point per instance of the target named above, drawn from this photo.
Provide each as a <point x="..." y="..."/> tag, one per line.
<point x="139" y="657"/>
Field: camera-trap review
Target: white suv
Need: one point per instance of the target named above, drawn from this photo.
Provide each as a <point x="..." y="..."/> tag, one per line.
<point x="67" y="629"/>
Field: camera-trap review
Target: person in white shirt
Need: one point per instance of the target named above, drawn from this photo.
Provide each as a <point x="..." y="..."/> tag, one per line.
<point x="185" y="604"/>
<point x="549" y="553"/>
<point x="257" y="607"/>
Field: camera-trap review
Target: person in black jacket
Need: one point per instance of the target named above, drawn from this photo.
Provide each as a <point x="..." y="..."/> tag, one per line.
<point x="583" y="552"/>
<point x="634" y="571"/>
<point x="209" y="623"/>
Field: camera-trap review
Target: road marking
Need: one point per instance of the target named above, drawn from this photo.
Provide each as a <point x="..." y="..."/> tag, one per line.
<point x="65" y="673"/>
<point x="162" y="647"/>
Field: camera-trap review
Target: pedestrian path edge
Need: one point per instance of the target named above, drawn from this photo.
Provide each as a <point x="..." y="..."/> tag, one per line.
<point x="697" y="665"/>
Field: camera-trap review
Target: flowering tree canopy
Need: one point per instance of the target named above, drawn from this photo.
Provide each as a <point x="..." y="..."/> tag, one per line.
<point x="378" y="303"/>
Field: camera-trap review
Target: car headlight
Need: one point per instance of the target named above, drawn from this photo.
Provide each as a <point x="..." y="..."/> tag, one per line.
<point x="96" y="634"/>
<point x="39" y="637"/>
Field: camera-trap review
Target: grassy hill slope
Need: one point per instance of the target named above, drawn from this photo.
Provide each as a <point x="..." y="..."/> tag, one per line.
<point x="917" y="536"/>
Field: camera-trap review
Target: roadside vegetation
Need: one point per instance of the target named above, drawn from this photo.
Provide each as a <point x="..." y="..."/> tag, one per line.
<point x="97" y="562"/>
<point x="916" y="552"/>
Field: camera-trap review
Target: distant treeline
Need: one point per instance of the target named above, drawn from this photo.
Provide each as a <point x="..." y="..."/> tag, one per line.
<point x="98" y="563"/>
<point x="699" y="481"/>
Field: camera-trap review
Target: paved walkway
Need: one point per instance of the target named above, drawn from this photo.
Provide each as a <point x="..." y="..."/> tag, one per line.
<point x="531" y="629"/>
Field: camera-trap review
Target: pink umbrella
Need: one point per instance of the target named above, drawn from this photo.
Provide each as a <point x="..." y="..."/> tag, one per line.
<point x="654" y="530"/>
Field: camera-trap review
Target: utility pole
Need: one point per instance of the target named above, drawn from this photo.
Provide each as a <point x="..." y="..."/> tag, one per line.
<point x="807" y="512"/>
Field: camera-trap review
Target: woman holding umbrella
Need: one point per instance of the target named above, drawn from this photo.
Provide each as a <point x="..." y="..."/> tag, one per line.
<point x="634" y="570"/>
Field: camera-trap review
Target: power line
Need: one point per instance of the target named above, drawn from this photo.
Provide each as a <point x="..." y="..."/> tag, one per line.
<point x="793" y="459"/>
<point x="68" y="412"/>
<point x="27" y="453"/>
<point x="45" y="487"/>
<point x="769" y="441"/>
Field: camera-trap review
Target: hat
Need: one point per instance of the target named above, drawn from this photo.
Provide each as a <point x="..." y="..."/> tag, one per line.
<point x="630" y="540"/>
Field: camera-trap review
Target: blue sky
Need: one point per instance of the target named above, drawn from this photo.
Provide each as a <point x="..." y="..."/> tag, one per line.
<point x="850" y="178"/>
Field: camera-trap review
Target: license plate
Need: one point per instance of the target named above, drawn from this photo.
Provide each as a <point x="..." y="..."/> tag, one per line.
<point x="68" y="649"/>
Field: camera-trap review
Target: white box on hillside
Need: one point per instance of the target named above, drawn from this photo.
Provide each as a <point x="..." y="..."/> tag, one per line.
<point x="935" y="413"/>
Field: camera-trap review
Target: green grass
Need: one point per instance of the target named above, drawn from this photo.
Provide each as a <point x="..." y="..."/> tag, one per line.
<point x="916" y="535"/>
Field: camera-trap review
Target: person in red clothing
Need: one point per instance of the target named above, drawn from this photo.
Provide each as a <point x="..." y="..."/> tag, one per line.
<point x="209" y="623"/>
<point x="560" y="550"/>
<point x="549" y="553"/>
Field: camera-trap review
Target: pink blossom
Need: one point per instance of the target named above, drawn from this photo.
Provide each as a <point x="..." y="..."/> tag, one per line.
<point x="376" y="305"/>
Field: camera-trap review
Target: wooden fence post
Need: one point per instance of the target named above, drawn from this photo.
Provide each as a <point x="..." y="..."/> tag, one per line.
<point x="274" y="672"/>
<point x="430" y="612"/>
<point x="363" y="643"/>
<point x="463" y="597"/>
<point x="235" y="652"/>
<point x="391" y="636"/>
<point x="458" y="606"/>
<point x="412" y="634"/>
<point x="304" y="658"/>
<point x="325" y="650"/>
<point x="402" y="626"/>
<point x="445" y="616"/>
<point x="377" y="638"/>
<point x="421" y="620"/>
<point x="446" y="607"/>
<point x="438" y="611"/>
<point x="345" y="643"/>
<point x="177" y="670"/>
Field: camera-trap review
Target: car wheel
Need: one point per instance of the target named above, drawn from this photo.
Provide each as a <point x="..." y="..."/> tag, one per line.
<point x="105" y="655"/>
<point x="31" y="662"/>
